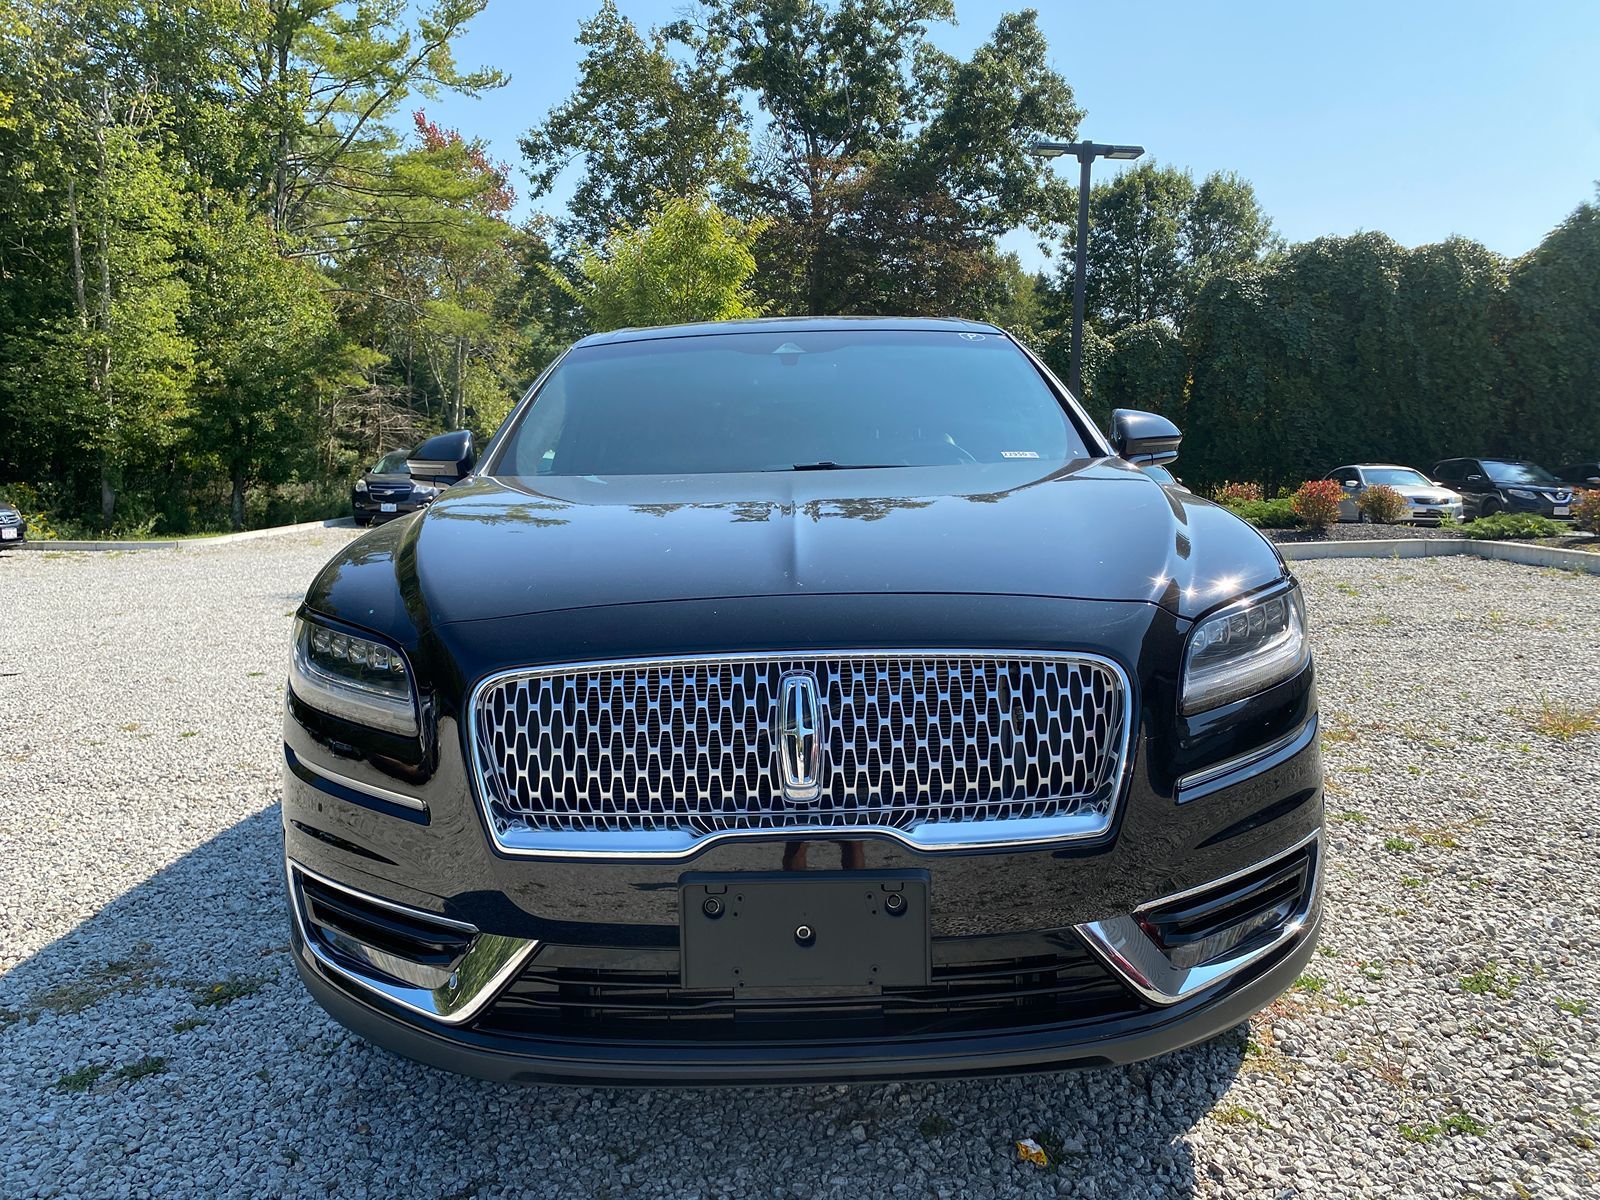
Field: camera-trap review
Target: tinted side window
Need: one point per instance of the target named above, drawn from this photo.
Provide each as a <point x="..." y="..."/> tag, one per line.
<point x="1448" y="472"/>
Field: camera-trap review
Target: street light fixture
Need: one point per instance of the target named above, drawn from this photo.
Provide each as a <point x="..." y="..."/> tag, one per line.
<point x="1085" y="153"/>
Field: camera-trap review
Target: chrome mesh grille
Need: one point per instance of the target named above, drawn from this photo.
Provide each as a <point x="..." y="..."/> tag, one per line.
<point x="691" y="746"/>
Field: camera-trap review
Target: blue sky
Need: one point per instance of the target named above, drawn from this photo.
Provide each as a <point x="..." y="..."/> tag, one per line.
<point x="1417" y="119"/>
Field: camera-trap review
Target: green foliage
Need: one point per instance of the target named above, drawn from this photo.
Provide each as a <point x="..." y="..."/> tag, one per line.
<point x="1155" y="238"/>
<point x="1382" y="505"/>
<point x="644" y="122"/>
<point x="1317" y="503"/>
<point x="689" y="261"/>
<point x="1552" y="377"/>
<point x="1505" y="526"/>
<point x="1144" y="368"/>
<point x="1267" y="514"/>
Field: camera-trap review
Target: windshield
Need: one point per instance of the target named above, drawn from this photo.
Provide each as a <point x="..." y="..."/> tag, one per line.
<point x="392" y="463"/>
<point x="1516" y="472"/>
<point x="1396" y="476"/>
<point x="810" y="400"/>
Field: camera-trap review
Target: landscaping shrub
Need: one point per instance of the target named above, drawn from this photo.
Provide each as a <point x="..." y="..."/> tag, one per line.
<point x="1266" y="514"/>
<point x="1505" y="526"/>
<point x="1232" y="494"/>
<point x="1317" y="503"/>
<point x="1382" y="505"/>
<point x="1586" y="511"/>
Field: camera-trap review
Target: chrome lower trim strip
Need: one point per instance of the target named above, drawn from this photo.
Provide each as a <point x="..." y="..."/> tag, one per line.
<point x="1279" y="749"/>
<point x="1139" y="962"/>
<point x="670" y="845"/>
<point x="494" y="959"/>
<point x="366" y="789"/>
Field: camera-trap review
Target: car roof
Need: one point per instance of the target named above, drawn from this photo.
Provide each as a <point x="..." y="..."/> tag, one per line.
<point x="789" y="325"/>
<point x="1365" y="466"/>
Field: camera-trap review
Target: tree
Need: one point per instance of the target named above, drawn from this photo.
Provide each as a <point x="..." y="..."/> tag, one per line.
<point x="1145" y="367"/>
<point x="885" y="168"/>
<point x="1155" y="238"/>
<point x="267" y="347"/>
<point x="643" y="122"/>
<point x="689" y="261"/>
<point x="1552" y="371"/>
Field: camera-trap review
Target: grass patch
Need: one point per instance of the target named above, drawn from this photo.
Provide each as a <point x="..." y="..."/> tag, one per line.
<point x="1411" y="881"/>
<point x="1567" y="1004"/>
<point x="1487" y="981"/>
<point x="101" y="983"/>
<point x="188" y="1023"/>
<point x="1562" y="721"/>
<point x="82" y="1079"/>
<point x="1454" y="1124"/>
<point x="1350" y="815"/>
<point x="224" y="992"/>
<point x="1399" y="844"/>
<point x="1311" y="983"/>
<point x="1236" y="1115"/>
<point x="142" y="1069"/>
<point x="934" y="1125"/>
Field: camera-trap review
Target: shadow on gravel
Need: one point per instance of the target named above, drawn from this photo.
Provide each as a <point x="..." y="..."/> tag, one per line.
<point x="166" y="1046"/>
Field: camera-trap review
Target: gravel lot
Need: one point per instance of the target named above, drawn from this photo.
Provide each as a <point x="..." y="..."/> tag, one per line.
<point x="154" y="1039"/>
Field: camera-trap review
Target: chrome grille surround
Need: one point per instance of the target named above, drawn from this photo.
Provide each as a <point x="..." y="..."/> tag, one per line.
<point x="939" y="749"/>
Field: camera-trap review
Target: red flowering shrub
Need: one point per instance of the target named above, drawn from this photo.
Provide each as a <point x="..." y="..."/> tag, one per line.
<point x="1238" y="493"/>
<point x="1586" y="510"/>
<point x="1317" y="503"/>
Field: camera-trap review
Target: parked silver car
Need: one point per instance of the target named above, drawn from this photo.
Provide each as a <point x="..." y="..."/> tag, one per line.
<point x="1427" y="500"/>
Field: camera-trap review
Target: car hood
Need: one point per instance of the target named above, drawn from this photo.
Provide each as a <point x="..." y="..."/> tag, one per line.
<point x="388" y="479"/>
<point x="1093" y="530"/>
<point x="1427" y="493"/>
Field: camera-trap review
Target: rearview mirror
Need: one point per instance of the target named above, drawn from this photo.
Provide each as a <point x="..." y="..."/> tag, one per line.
<point x="444" y="459"/>
<point x="1143" y="438"/>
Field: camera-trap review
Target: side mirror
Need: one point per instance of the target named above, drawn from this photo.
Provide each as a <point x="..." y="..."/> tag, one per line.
<point x="1474" y="478"/>
<point x="444" y="459"/>
<point x="1351" y="484"/>
<point x="1143" y="438"/>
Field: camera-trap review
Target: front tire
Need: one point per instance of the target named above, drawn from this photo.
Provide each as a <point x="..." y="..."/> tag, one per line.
<point x="1489" y="507"/>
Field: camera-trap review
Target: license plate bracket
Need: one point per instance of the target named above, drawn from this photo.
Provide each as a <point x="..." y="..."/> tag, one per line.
<point x="748" y="931"/>
<point x="383" y="507"/>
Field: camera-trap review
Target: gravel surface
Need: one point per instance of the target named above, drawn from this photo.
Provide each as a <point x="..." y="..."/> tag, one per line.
<point x="155" y="1041"/>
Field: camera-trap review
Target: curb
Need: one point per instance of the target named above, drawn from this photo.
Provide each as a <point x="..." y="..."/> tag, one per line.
<point x="191" y="543"/>
<point x="1517" y="552"/>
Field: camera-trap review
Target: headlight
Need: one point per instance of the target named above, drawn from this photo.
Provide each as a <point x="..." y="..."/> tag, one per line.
<point x="361" y="485"/>
<point x="1522" y="493"/>
<point x="352" y="677"/>
<point x="1244" y="649"/>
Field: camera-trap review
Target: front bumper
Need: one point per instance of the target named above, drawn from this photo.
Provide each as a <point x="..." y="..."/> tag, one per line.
<point x="364" y="506"/>
<point x="1146" y="1034"/>
<point x="591" y="928"/>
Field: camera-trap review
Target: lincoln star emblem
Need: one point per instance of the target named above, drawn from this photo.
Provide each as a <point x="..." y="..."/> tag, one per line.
<point x="800" y="737"/>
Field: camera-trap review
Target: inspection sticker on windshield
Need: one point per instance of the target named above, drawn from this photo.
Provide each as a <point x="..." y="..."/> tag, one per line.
<point x="1019" y="454"/>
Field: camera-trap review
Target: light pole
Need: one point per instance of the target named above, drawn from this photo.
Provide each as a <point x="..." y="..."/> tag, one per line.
<point x="1085" y="153"/>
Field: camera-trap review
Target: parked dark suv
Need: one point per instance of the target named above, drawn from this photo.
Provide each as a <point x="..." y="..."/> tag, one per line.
<point x="386" y="491"/>
<point x="1492" y="485"/>
<point x="1580" y="475"/>
<point x="801" y="700"/>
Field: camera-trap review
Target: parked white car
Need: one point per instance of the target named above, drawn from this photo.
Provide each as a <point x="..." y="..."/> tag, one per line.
<point x="1427" y="500"/>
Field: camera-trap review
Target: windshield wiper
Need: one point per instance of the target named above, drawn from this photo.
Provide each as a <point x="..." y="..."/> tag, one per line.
<point x="830" y="465"/>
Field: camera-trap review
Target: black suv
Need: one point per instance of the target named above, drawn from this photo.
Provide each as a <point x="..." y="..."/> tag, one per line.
<point x="1493" y="485"/>
<point x="1582" y="475"/>
<point x="801" y="700"/>
<point x="386" y="490"/>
